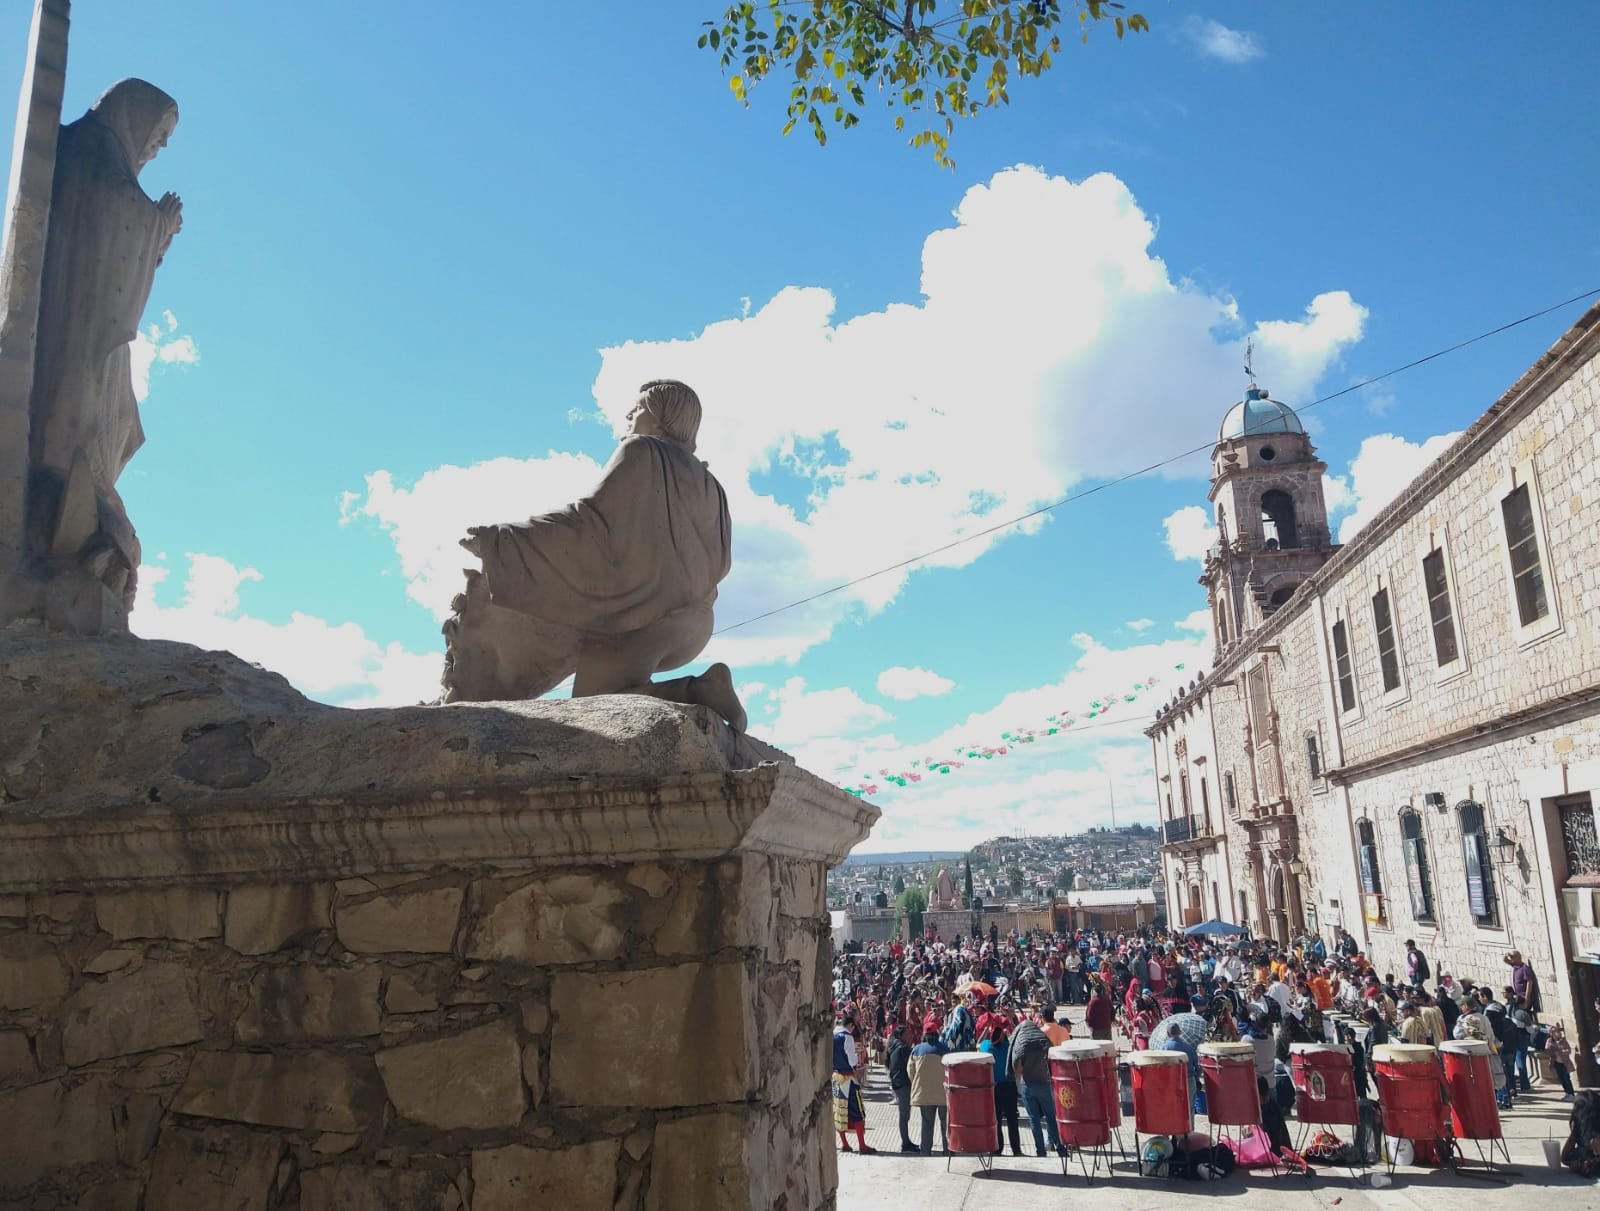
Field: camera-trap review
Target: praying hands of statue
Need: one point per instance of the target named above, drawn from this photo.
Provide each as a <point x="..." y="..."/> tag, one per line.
<point x="170" y="210"/>
<point x="474" y="540"/>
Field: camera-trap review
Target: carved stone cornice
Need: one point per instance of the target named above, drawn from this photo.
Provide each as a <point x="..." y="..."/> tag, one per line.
<point x="773" y="808"/>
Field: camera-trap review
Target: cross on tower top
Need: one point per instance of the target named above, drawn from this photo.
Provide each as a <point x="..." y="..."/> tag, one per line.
<point x="1249" y="358"/>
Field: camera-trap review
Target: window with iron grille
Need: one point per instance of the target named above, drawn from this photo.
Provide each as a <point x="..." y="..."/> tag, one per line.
<point x="1522" y="542"/>
<point x="1313" y="756"/>
<point x="1579" y="840"/>
<point x="1341" y="661"/>
<point x="1440" y="612"/>
<point x="1388" y="653"/>
<point x="1229" y="795"/>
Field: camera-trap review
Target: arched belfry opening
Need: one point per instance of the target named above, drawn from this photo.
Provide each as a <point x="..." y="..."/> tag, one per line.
<point x="1278" y="522"/>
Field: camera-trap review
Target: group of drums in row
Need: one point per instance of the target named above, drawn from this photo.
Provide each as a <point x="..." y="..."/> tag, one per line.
<point x="1424" y="1093"/>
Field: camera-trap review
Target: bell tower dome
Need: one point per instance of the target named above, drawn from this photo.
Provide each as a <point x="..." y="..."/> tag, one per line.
<point x="1272" y="520"/>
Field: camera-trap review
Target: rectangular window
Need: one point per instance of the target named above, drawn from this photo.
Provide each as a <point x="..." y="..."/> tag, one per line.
<point x="1260" y="704"/>
<point x="1341" y="661"/>
<point x="1229" y="795"/>
<point x="1522" y="542"/>
<point x="1440" y="612"/>
<point x="1388" y="656"/>
<point x="1313" y="757"/>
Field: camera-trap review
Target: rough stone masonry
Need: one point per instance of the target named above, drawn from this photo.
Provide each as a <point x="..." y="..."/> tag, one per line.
<point x="257" y="953"/>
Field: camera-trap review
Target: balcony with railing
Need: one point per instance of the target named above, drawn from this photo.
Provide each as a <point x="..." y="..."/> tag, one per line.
<point x="1189" y="832"/>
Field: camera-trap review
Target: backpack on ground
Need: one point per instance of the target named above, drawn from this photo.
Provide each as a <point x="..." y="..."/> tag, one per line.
<point x="1368" y="1142"/>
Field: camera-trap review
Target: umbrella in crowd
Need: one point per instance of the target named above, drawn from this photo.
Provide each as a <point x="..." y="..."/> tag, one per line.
<point x="1191" y="1026"/>
<point x="981" y="987"/>
<point x="1216" y="929"/>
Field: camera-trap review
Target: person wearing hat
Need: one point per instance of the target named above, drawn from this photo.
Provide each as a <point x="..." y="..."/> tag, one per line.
<point x="1412" y="1028"/>
<point x="926" y="1067"/>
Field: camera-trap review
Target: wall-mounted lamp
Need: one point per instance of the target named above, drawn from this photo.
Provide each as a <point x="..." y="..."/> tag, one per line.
<point x="1296" y="867"/>
<point x="1503" y="840"/>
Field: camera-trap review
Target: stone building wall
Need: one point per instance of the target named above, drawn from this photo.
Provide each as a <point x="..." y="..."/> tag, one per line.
<point x="1513" y="725"/>
<point x="490" y="1038"/>
<point x="593" y="993"/>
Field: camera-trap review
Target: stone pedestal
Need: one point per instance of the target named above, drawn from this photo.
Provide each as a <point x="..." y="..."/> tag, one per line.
<point x="257" y="953"/>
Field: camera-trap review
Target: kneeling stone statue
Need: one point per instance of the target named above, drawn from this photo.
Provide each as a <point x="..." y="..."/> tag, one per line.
<point x="612" y="589"/>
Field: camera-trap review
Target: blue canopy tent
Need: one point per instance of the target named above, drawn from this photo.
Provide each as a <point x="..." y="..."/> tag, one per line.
<point x="1217" y="929"/>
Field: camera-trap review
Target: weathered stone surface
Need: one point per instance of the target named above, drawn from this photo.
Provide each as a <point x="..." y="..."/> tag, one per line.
<point x="306" y="1002"/>
<point x="31" y="972"/>
<point x="704" y="913"/>
<point x="84" y="749"/>
<point x="263" y="918"/>
<point x="13" y="907"/>
<point x="137" y="1122"/>
<point x="376" y="1188"/>
<point x="49" y="1126"/>
<point x="404" y="996"/>
<point x="321" y="1090"/>
<point x="562" y="919"/>
<point x="215" y="1169"/>
<point x="113" y="959"/>
<point x="535" y="1015"/>
<point x="174" y="912"/>
<point x="16" y="1057"/>
<point x="121" y="1195"/>
<point x="472" y="1079"/>
<point x="609" y="1048"/>
<point x="421" y="922"/>
<point x="141" y="1011"/>
<point x="572" y="1179"/>
<point x="699" y="1162"/>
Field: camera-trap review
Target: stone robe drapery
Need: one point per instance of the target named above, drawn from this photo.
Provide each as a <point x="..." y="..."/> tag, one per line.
<point x="652" y="538"/>
<point x="106" y="238"/>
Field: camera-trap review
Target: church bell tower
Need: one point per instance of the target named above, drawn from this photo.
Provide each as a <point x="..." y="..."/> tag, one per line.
<point x="1272" y="520"/>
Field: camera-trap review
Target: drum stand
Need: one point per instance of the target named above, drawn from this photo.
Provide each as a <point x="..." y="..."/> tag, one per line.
<point x="985" y="1159"/>
<point x="1486" y="1169"/>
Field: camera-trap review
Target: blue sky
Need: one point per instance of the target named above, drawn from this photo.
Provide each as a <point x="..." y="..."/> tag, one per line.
<point x="429" y="252"/>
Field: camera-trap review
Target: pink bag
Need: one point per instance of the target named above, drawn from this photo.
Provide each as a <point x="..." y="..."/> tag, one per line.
<point x="1255" y="1150"/>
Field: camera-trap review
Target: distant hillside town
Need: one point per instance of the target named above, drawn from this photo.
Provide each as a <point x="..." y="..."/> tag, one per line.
<point x="1103" y="878"/>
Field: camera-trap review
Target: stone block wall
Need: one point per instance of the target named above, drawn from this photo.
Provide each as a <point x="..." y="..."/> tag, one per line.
<point x="602" y="996"/>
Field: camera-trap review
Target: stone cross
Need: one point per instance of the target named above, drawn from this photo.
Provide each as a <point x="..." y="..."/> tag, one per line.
<point x="27" y="219"/>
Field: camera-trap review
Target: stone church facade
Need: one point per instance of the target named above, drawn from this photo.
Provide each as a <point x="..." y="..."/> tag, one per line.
<point x="1401" y="736"/>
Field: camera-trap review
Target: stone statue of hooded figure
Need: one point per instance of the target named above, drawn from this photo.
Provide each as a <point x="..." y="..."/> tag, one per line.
<point x="611" y="589"/>
<point x="106" y="237"/>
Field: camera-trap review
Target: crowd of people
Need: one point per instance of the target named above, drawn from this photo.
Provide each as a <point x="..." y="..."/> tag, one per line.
<point x="906" y="1005"/>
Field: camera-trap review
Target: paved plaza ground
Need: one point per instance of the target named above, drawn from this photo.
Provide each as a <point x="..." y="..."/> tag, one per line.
<point x="893" y="1180"/>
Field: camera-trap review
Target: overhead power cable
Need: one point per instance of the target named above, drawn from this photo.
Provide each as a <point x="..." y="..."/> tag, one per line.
<point x="1142" y="471"/>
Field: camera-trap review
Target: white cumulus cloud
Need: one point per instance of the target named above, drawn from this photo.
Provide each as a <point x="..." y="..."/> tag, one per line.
<point x="159" y="344"/>
<point x="850" y="443"/>
<point x="906" y="683"/>
<point x="1190" y="532"/>
<point x="333" y="662"/>
<point x="1380" y="471"/>
<point x="1215" y="40"/>
<point x="1140" y="625"/>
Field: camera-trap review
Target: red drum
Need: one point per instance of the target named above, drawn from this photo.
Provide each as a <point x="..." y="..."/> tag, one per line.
<point x="1161" y="1103"/>
<point x="969" y="1093"/>
<point x="1325" y="1077"/>
<point x="1473" y="1113"/>
<point x="1410" y="1091"/>
<point x="1228" y="1071"/>
<point x="1083" y="1096"/>
<point x="1108" y="1058"/>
